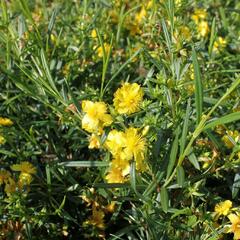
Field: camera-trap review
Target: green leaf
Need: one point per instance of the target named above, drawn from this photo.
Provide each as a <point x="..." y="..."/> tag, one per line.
<point x="111" y="185"/>
<point x="152" y="60"/>
<point x="28" y="230"/>
<point x="215" y="140"/>
<point x="8" y="153"/>
<point x="185" y="127"/>
<point x="184" y="211"/>
<point x="121" y="68"/>
<point x="173" y="155"/>
<point x="62" y="203"/>
<point x="212" y="37"/>
<point x="25" y="9"/>
<point x="52" y="20"/>
<point x="223" y="120"/>
<point x="192" y="221"/>
<point x="236" y="185"/>
<point x="84" y="164"/>
<point x="166" y="35"/>
<point x="152" y="186"/>
<point x="133" y="175"/>
<point x="75" y="101"/>
<point x="193" y="160"/>
<point x="164" y="199"/>
<point x="223" y="17"/>
<point x="123" y="232"/>
<point x="157" y="144"/>
<point x="180" y="176"/>
<point x="47" y="72"/>
<point x="67" y="216"/>
<point x="198" y="86"/>
<point x="48" y="174"/>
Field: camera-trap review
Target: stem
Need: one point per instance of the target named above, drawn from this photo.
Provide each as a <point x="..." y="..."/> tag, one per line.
<point x="199" y="130"/>
<point x="106" y="58"/>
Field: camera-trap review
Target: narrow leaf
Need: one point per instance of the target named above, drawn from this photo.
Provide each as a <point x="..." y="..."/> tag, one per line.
<point x="185" y="127"/>
<point x="180" y="176"/>
<point x="121" y="68"/>
<point x="111" y="185"/>
<point x="164" y="199"/>
<point x="133" y="175"/>
<point x="166" y="35"/>
<point x="223" y="120"/>
<point x="236" y="185"/>
<point x="198" y="86"/>
<point x="75" y="101"/>
<point x="212" y="37"/>
<point x="48" y="174"/>
<point x="173" y="155"/>
<point x="152" y="186"/>
<point x="84" y="164"/>
<point x="193" y="160"/>
<point x="52" y="20"/>
<point x="214" y="139"/>
<point x="47" y="72"/>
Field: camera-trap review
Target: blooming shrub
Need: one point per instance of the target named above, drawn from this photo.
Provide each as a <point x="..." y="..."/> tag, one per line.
<point x="119" y="119"/>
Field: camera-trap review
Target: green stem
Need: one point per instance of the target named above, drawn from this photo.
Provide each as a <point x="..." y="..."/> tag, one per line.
<point x="106" y="58"/>
<point x="199" y="130"/>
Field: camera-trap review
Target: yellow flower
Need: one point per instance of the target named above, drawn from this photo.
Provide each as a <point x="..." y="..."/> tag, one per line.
<point x="185" y="33"/>
<point x="135" y="148"/>
<point x="24" y="179"/>
<point x="94" y="141"/>
<point x="114" y="16"/>
<point x="199" y="14"/>
<point x="149" y="4"/>
<point x="145" y="130"/>
<point x="97" y="218"/>
<point x="24" y="167"/>
<point x="96" y="117"/>
<point x="140" y="15"/>
<point x="94" y="33"/>
<point x="133" y="28"/>
<point x="128" y="98"/>
<point x="191" y="72"/>
<point x="223" y="208"/>
<point x="115" y="175"/>
<point x="2" y="140"/>
<point x="122" y="164"/>
<point x="220" y="129"/>
<point x="10" y="187"/>
<point x="53" y="38"/>
<point x="115" y="141"/>
<point x="4" y="176"/>
<point x="134" y="144"/>
<point x="125" y="146"/>
<point x="231" y="138"/>
<point x="118" y="3"/>
<point x="203" y="28"/>
<point x="86" y="199"/>
<point x="235" y="227"/>
<point x="219" y="44"/>
<point x="178" y="3"/>
<point x="133" y="25"/>
<point x="5" y="122"/>
<point x="111" y="207"/>
<point x="100" y="50"/>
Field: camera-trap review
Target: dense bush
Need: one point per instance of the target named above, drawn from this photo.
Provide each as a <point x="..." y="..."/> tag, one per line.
<point x="119" y="119"/>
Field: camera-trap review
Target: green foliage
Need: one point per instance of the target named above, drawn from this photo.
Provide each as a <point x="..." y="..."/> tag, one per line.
<point x="56" y="54"/>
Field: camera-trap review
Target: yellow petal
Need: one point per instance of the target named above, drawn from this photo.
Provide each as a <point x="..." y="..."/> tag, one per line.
<point x="234" y="219"/>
